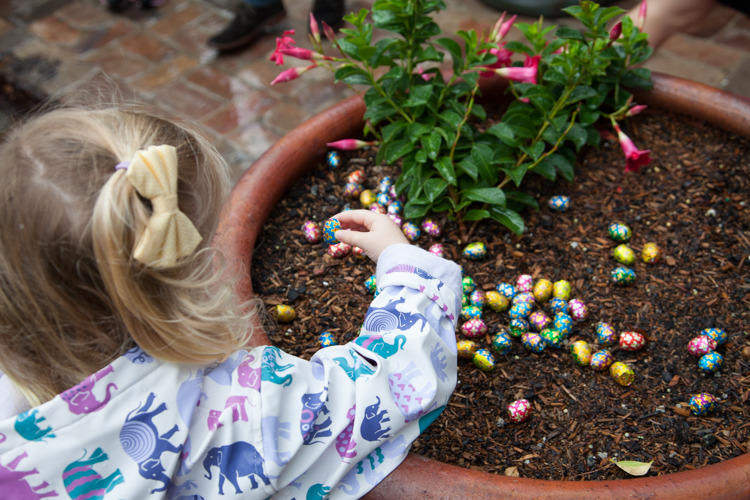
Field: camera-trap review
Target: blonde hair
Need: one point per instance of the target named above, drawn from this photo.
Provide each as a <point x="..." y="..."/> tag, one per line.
<point x="72" y="298"/>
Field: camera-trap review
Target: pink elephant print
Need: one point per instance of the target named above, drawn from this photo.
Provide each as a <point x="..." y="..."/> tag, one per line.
<point x="82" y="482"/>
<point x="13" y="483"/>
<point x="248" y="376"/>
<point x="81" y="398"/>
<point x="237" y="404"/>
<point x="345" y="442"/>
<point x="405" y="394"/>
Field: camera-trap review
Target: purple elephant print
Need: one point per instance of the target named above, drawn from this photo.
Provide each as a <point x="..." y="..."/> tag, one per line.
<point x="376" y="344"/>
<point x="138" y="356"/>
<point x="27" y="425"/>
<point x="406" y="268"/>
<point x="313" y="405"/>
<point x="140" y="439"/>
<point x="13" y="484"/>
<point x="270" y="365"/>
<point x="439" y="363"/>
<point x="222" y="374"/>
<point x="81" y="398"/>
<point x="356" y="368"/>
<point x="371" y="429"/>
<point x="189" y="396"/>
<point x="236" y="460"/>
<point x="84" y="483"/>
<point x="345" y="442"/>
<point x="248" y="376"/>
<point x="388" y="318"/>
<point x="273" y="429"/>
<point x="407" y="397"/>
<point x="237" y="404"/>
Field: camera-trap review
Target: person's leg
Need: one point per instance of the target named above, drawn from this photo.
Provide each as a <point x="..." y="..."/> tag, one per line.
<point x="667" y="17"/>
<point x="251" y="18"/>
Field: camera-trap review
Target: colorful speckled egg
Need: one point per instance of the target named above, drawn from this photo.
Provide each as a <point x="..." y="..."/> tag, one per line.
<point x="327" y="339"/>
<point x="470" y="312"/>
<point x="542" y="290"/>
<point x="484" y="360"/>
<point x="501" y="344"/>
<point x="651" y="253"/>
<point x="367" y="198"/>
<point x="552" y="337"/>
<point x="632" y="341"/>
<point x="624" y="255"/>
<point x="474" y="328"/>
<point x="563" y="323"/>
<point x="468" y="284"/>
<point x="339" y="250"/>
<point x="523" y="298"/>
<point x="357" y="177"/>
<point x="394" y="194"/>
<point x="329" y="231"/>
<point x="383" y="199"/>
<point x="506" y="289"/>
<point x="525" y="283"/>
<point x="475" y="251"/>
<point x="711" y="362"/>
<point x="581" y="352"/>
<point x="431" y="227"/>
<point x="478" y="298"/>
<point x="437" y="249"/>
<point x="558" y="305"/>
<point x="465" y="301"/>
<point x="497" y="301"/>
<point x="397" y="219"/>
<point x="701" y="345"/>
<point x="601" y="360"/>
<point x="606" y="336"/>
<point x="619" y="232"/>
<point x="578" y="310"/>
<point x="466" y="348"/>
<point x="411" y="231"/>
<point x="284" y="313"/>
<point x="359" y="252"/>
<point x="395" y="207"/>
<point x="518" y="411"/>
<point x="719" y="335"/>
<point x="623" y="276"/>
<point x="533" y="342"/>
<point x="386" y="183"/>
<point x="312" y="231"/>
<point x="622" y="373"/>
<point x="333" y="158"/>
<point x="559" y="203"/>
<point x="539" y="321"/>
<point x="352" y="190"/>
<point x="518" y="327"/>
<point x="371" y="284"/>
<point x="703" y="404"/>
<point x="520" y="311"/>
<point x="377" y="208"/>
<point x="561" y="290"/>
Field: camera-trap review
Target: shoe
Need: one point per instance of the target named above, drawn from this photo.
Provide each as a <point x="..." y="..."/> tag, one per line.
<point x="116" y="5"/>
<point x="249" y="22"/>
<point x="329" y="11"/>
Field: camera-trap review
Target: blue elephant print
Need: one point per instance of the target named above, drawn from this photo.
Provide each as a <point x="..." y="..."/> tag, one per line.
<point x="140" y="439"/>
<point x="27" y="425"/>
<point x="388" y="318"/>
<point x="376" y="344"/>
<point x="83" y="482"/>
<point x="318" y="492"/>
<point x="270" y="365"/>
<point x="236" y="460"/>
<point x="357" y="368"/>
<point x="313" y="405"/>
<point x="138" y="356"/>
<point x="439" y="363"/>
<point x="371" y="428"/>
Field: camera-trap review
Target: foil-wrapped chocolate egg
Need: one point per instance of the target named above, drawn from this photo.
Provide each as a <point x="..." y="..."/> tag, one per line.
<point x="395" y="196"/>
<point x="711" y="362"/>
<point x="377" y="208"/>
<point x="437" y="249"/>
<point x="518" y="327"/>
<point x="478" y="298"/>
<point x="383" y="199"/>
<point x="719" y="335"/>
<point x="411" y="231"/>
<point x="312" y="231"/>
<point x="539" y="321"/>
<point x="624" y="254"/>
<point x="284" y="313"/>
<point x="518" y="411"/>
<point x="465" y="301"/>
<point x="497" y="301"/>
<point x="606" y="336"/>
<point x="559" y="203"/>
<point x="474" y="328"/>
<point x="581" y="351"/>
<point x="484" y="360"/>
<point x="357" y="177"/>
<point x="525" y="283"/>
<point x="397" y="219"/>
<point x="622" y="373"/>
<point x="329" y="231"/>
<point x="561" y="290"/>
<point x="470" y="312"/>
<point x="506" y="289"/>
<point x="333" y="158"/>
<point x="542" y="290"/>
<point x="466" y="349"/>
<point x="578" y="310"/>
<point x="475" y="251"/>
<point x="601" y="360"/>
<point x="632" y="341"/>
<point x="619" y="232"/>
<point x="558" y="305"/>
<point x="523" y="298"/>
<point x="339" y="250"/>
<point x="563" y="323"/>
<point x="327" y="339"/>
<point x="359" y="252"/>
<point x="623" y="276"/>
<point x="367" y="198"/>
<point x="371" y="284"/>
<point x="701" y="345"/>
<point x="552" y="337"/>
<point x="520" y="311"/>
<point x="703" y="404"/>
<point x="386" y="183"/>
<point x="431" y="227"/>
<point x="651" y="253"/>
<point x="395" y="207"/>
<point x="352" y="190"/>
<point x="501" y="344"/>
<point x="468" y="284"/>
<point x="533" y="342"/>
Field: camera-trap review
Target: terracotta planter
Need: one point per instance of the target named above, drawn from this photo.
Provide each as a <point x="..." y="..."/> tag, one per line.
<point x="264" y="184"/>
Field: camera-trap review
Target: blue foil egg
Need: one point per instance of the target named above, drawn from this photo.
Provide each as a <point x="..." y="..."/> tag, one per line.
<point x="475" y="251"/>
<point x="520" y="311"/>
<point x="559" y="203"/>
<point x="333" y="158"/>
<point x="484" y="360"/>
<point x="563" y="323"/>
<point x="703" y="404"/>
<point x="383" y="199"/>
<point x="471" y="312"/>
<point x="601" y="360"/>
<point x="385" y="185"/>
<point x="371" y="284"/>
<point x="606" y="336"/>
<point x="501" y="343"/>
<point x="478" y="298"/>
<point x="623" y="276"/>
<point x="329" y="231"/>
<point x="558" y="305"/>
<point x="533" y="342"/>
<point x="468" y="284"/>
<point x="720" y="336"/>
<point x="327" y="339"/>
<point x="711" y="362"/>
<point x="506" y="289"/>
<point x="524" y="298"/>
<point x="395" y="207"/>
<point x="518" y="327"/>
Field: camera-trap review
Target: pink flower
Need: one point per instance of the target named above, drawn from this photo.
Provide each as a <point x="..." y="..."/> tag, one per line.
<point x="496" y="28"/>
<point x="349" y="144"/>
<point x="503" y="59"/>
<point x="300" y="53"/>
<point x="635" y="158"/>
<point x="314" y="28"/>
<point x="642" y="15"/>
<point x="329" y="32"/>
<point x="635" y="110"/>
<point x="284" y="42"/>
<point x="504" y="29"/>
<point x="527" y="74"/>
<point x="615" y="32"/>
<point x="425" y="76"/>
<point x="291" y="74"/>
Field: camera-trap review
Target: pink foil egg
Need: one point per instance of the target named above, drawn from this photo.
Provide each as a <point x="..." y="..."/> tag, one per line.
<point x="312" y="231"/>
<point x="578" y="310"/>
<point x="518" y="411"/>
<point x="377" y="208"/>
<point x="474" y="328"/>
<point x="357" y="177"/>
<point x="701" y="345"/>
<point x="525" y="283"/>
<point x="431" y="227"/>
<point x="397" y="219"/>
<point x="359" y="253"/>
<point x="339" y="250"/>
<point x="632" y="341"/>
<point x="437" y="249"/>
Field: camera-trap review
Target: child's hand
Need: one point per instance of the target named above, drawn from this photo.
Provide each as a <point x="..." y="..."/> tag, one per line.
<point x="370" y="231"/>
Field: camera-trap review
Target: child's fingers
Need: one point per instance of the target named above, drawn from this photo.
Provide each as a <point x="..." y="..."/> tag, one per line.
<point x="356" y="219"/>
<point x="353" y="238"/>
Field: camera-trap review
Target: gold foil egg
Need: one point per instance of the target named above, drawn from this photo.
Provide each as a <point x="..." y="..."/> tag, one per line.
<point x="542" y="290"/>
<point x="284" y="313"/>
<point x="622" y="373"/>
<point x="651" y="253"/>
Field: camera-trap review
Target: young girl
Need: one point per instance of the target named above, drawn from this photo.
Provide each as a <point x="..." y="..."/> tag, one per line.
<point x="122" y="345"/>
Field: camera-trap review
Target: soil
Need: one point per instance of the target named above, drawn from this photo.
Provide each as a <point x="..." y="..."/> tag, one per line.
<point x="692" y="201"/>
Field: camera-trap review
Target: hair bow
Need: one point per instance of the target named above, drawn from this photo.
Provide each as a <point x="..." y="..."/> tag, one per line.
<point x="169" y="234"/>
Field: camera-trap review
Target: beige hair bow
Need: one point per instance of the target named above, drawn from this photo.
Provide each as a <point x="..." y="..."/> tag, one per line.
<point x="169" y="234"/>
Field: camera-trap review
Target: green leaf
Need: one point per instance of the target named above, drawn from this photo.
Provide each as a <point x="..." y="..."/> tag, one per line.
<point x="415" y="130"/>
<point x="467" y="166"/>
<point x="569" y="34"/>
<point x="535" y="151"/>
<point x="418" y="95"/>
<point x="581" y="92"/>
<point x="452" y="118"/>
<point x="431" y="144"/>
<point x="523" y="198"/>
<point x="455" y="50"/>
<point x="633" y="468"/>
<point x="508" y="218"/>
<point x="546" y="169"/>
<point x="476" y="214"/>
<point x="519" y="47"/>
<point x="414" y="211"/>
<point x="478" y="111"/>
<point x="445" y="167"/>
<point x="352" y="75"/>
<point x="490" y="195"/>
<point x="504" y="132"/>
<point x="578" y="136"/>
<point x="391" y="130"/>
<point x="553" y="75"/>
<point x="562" y="165"/>
<point x="434" y="187"/>
<point x="517" y="173"/>
<point x="481" y="155"/>
<point x="398" y="149"/>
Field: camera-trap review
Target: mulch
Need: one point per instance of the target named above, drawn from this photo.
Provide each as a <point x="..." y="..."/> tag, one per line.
<point x="692" y="201"/>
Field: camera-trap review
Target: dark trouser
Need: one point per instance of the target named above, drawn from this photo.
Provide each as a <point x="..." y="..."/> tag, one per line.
<point x="741" y="5"/>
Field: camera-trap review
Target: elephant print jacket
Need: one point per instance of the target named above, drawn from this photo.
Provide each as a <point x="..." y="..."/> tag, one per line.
<point x="263" y="424"/>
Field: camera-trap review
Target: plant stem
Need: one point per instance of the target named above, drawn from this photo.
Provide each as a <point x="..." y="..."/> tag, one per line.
<point x="465" y="119"/>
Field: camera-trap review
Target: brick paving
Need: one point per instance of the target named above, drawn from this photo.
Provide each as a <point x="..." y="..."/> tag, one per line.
<point x="51" y="47"/>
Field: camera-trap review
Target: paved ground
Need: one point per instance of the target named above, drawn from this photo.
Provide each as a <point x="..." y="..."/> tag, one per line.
<point x="50" y="47"/>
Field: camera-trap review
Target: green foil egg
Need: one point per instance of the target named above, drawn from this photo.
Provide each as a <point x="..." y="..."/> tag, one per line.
<point x="468" y="284"/>
<point x="619" y="232"/>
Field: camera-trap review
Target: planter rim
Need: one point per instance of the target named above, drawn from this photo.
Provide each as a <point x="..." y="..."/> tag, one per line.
<point x="268" y="178"/>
